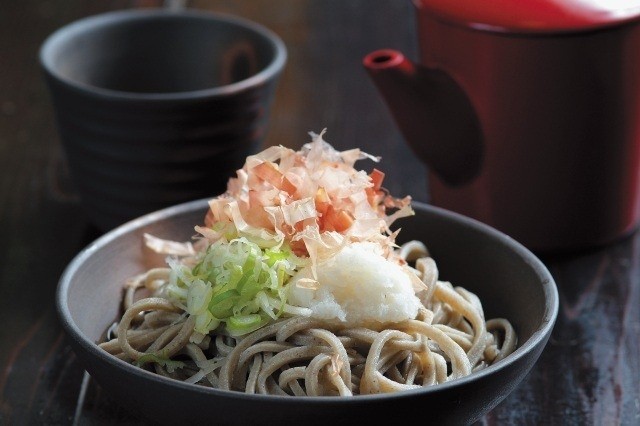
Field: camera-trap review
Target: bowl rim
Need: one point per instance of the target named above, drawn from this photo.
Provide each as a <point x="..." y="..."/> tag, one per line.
<point x="60" y="36"/>
<point x="540" y="335"/>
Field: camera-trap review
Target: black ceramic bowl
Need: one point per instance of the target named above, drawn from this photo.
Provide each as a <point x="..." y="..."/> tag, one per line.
<point x="510" y="281"/>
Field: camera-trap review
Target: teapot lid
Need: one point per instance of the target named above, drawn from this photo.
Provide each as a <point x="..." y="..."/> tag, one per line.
<point x="533" y="16"/>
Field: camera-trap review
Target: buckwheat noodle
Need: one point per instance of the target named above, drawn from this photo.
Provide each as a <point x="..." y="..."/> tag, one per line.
<point x="300" y="356"/>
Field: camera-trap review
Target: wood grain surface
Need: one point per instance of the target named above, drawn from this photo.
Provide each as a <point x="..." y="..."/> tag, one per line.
<point x="589" y="372"/>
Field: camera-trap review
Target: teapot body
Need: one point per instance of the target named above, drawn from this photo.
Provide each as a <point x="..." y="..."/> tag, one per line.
<point x="559" y="117"/>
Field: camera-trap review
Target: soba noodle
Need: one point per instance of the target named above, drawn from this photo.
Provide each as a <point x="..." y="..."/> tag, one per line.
<point x="302" y="356"/>
<point x="296" y="286"/>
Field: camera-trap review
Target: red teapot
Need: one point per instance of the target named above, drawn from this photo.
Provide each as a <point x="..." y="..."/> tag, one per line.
<point x="526" y="114"/>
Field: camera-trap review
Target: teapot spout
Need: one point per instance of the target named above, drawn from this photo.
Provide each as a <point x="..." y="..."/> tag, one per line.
<point x="433" y="114"/>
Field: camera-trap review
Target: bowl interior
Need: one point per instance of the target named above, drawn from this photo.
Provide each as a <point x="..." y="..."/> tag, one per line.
<point x="509" y="280"/>
<point x="159" y="52"/>
<point x="105" y="266"/>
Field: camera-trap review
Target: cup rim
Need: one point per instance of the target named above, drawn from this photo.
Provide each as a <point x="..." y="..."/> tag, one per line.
<point x="72" y="29"/>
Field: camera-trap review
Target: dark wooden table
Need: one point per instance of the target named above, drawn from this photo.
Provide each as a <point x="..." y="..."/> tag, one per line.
<point x="589" y="372"/>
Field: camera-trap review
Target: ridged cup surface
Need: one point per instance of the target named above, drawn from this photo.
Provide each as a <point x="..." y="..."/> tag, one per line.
<point x="159" y="107"/>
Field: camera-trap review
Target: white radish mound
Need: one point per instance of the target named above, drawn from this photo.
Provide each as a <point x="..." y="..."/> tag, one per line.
<point x="356" y="287"/>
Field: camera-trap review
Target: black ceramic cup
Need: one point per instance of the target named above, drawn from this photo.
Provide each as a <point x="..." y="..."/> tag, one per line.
<point x="156" y="107"/>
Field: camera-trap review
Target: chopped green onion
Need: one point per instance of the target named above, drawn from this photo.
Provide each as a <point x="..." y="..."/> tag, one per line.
<point x="236" y="284"/>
